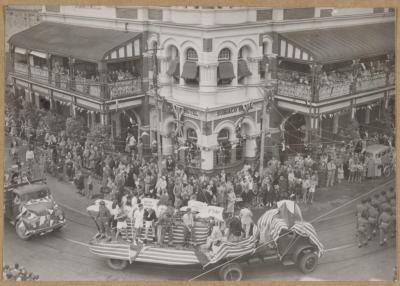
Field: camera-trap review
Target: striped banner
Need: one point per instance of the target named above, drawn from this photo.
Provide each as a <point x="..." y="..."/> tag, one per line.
<point x="167" y="256"/>
<point x="271" y="225"/>
<point x="113" y="250"/>
<point x="235" y="249"/>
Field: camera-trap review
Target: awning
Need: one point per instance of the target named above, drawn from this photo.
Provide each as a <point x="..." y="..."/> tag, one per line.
<point x="20" y="51"/>
<point x="173" y="69"/>
<point x="79" y="42"/>
<point x="39" y="54"/>
<point x="189" y="70"/>
<point x="338" y="44"/>
<point x="243" y="70"/>
<point x="225" y="70"/>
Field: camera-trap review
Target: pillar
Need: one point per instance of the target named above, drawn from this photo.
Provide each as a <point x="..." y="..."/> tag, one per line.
<point x="335" y="127"/>
<point x="235" y="72"/>
<point x="252" y="64"/>
<point x="166" y="145"/>
<point x="272" y="68"/>
<point x="208" y="77"/>
<point x="250" y="148"/>
<point x="207" y="160"/>
<point x="353" y="113"/>
<point x="182" y="59"/>
<point x="36" y="99"/>
<point x="308" y="128"/>
<point x="367" y="115"/>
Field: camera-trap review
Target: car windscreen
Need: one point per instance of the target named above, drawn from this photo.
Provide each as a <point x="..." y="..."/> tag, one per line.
<point x="35" y="195"/>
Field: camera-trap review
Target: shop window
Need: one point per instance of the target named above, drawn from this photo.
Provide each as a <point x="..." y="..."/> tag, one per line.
<point x="190" y="71"/>
<point x="225" y="71"/>
<point x="223" y="136"/>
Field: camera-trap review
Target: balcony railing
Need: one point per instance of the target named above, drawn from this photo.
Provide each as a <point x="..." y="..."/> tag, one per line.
<point x="39" y="74"/>
<point x="124" y="88"/>
<point x="335" y="90"/>
<point x="371" y="82"/>
<point x="294" y="90"/>
<point x="21" y="68"/>
<point x="118" y="89"/>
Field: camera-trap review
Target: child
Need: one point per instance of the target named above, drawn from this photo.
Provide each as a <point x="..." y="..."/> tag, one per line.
<point x="340" y="172"/>
<point x="89" y="192"/>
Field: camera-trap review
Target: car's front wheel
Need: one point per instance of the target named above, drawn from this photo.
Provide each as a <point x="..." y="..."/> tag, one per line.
<point x="308" y="262"/>
<point x="117" y="264"/>
<point x="22" y="231"/>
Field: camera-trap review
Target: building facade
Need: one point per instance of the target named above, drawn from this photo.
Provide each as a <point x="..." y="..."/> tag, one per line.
<point x="324" y="66"/>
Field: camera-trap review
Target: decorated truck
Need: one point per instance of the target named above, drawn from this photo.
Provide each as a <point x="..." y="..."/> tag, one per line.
<point x="280" y="234"/>
<point x="30" y="207"/>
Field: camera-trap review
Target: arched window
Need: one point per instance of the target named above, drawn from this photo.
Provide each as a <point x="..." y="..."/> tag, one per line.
<point x="265" y="48"/>
<point x="223" y="135"/>
<point x="190" y="71"/>
<point x="191" y="55"/>
<point x="191" y="135"/>
<point x="224" y="55"/>
<point x="225" y="68"/>
<point x="243" y="70"/>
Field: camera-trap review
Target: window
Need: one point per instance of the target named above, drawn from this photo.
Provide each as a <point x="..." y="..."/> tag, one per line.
<point x="155" y="14"/>
<point x="265" y="48"/>
<point x="379" y="10"/>
<point x="127" y="13"/>
<point x="298" y="13"/>
<point x="223" y="135"/>
<point x="224" y="55"/>
<point x="391" y="10"/>
<point x="191" y="135"/>
<point x="52" y="8"/>
<point x="264" y="15"/>
<point x="326" y="13"/>
<point x="191" y="55"/>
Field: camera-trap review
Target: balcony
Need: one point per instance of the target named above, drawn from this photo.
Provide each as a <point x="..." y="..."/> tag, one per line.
<point x="335" y="90"/>
<point x="373" y="81"/>
<point x="125" y="88"/>
<point x="87" y="87"/>
<point x="294" y="90"/>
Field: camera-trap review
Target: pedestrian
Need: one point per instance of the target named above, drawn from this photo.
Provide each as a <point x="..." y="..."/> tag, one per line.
<point x="149" y="220"/>
<point x="384" y="223"/>
<point x="138" y="217"/>
<point x="362" y="229"/>
<point x="246" y="218"/>
<point x="235" y="229"/>
<point x="188" y="228"/>
<point x="331" y="167"/>
<point x="89" y="182"/>
<point x="103" y="219"/>
<point x="165" y="225"/>
<point x="340" y="172"/>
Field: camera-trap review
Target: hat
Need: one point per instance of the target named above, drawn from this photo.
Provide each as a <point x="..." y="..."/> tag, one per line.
<point x="102" y="203"/>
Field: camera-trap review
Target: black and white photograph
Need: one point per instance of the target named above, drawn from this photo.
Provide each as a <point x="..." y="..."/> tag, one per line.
<point x="199" y="143"/>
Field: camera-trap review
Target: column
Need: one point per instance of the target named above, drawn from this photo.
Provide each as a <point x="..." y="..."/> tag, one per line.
<point x="146" y="69"/>
<point x="93" y="121"/>
<point x="367" y="115"/>
<point x="166" y="145"/>
<point x="51" y="100"/>
<point x="207" y="160"/>
<point x="182" y="59"/>
<point x="335" y="124"/>
<point x="235" y="72"/>
<point x="250" y="148"/>
<point x="308" y="128"/>
<point x="37" y="99"/>
<point x="353" y="112"/>
<point x="252" y="64"/>
<point x="208" y="77"/>
<point x="164" y="66"/>
<point x="272" y="67"/>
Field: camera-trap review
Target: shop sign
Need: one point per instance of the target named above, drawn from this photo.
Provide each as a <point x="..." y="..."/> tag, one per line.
<point x="235" y="109"/>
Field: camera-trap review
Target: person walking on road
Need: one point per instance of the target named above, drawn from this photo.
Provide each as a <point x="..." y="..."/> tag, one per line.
<point x="331" y="173"/>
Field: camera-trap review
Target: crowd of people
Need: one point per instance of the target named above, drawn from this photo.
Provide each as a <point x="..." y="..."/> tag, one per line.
<point x="18" y="273"/>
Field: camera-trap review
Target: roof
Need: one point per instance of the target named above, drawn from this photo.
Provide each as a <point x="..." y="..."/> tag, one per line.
<point x="30" y="188"/>
<point x="345" y="43"/>
<point x="69" y="40"/>
<point x="376" y="148"/>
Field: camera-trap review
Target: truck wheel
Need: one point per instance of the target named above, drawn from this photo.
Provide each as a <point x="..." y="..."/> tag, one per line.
<point x="308" y="262"/>
<point x="231" y="272"/>
<point x="387" y="171"/>
<point x="21" y="231"/>
<point x="117" y="264"/>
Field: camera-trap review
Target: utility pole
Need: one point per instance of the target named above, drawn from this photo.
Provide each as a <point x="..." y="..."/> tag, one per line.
<point x="159" y="106"/>
<point x="268" y="90"/>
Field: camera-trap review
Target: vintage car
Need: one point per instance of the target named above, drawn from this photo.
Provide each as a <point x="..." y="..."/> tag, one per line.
<point x="279" y="235"/>
<point x="31" y="208"/>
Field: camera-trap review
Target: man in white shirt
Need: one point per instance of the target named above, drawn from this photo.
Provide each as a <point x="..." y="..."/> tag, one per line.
<point x="188" y="224"/>
<point x="331" y="173"/>
<point x="246" y="217"/>
<point x="138" y="217"/>
<point x="30" y="157"/>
